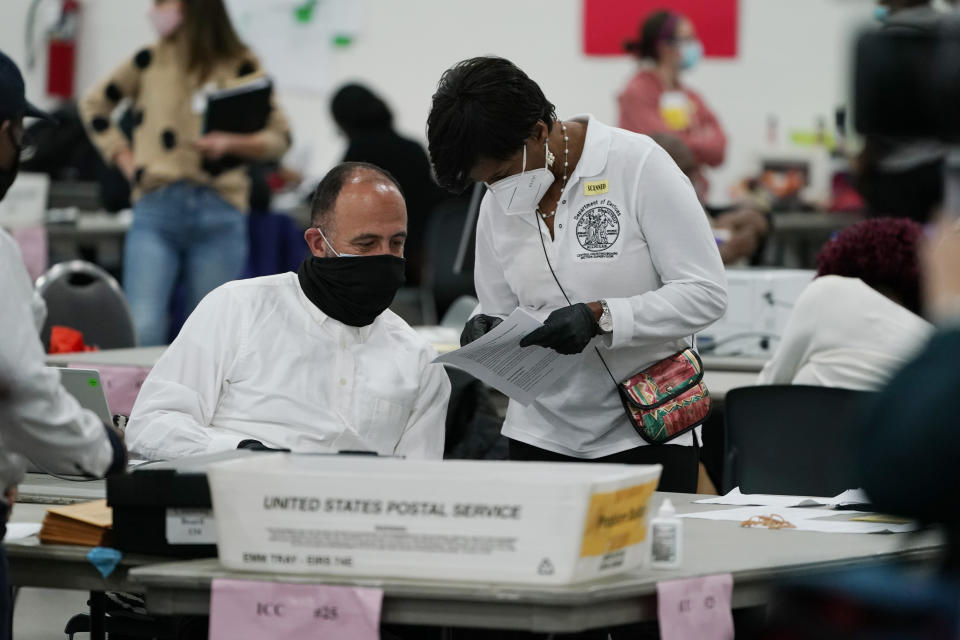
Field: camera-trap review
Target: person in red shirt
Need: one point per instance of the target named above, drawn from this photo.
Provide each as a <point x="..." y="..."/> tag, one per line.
<point x="655" y="101"/>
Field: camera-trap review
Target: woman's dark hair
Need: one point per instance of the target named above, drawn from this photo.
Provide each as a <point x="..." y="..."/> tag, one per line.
<point x="483" y="108"/>
<point x="356" y="108"/>
<point x="882" y="253"/>
<point x="658" y="26"/>
<point x="210" y="36"/>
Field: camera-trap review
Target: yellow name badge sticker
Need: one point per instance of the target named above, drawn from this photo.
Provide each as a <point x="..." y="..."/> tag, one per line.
<point x="616" y="520"/>
<point x="596" y="188"/>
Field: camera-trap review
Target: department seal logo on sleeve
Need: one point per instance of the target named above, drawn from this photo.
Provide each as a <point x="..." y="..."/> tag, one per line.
<point x="598" y="227"/>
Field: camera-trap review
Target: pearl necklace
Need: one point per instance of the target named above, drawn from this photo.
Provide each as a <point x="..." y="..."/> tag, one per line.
<point x="566" y="167"/>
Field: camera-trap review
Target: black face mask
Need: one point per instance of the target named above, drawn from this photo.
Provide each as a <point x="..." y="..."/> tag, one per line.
<point x="7" y="176"/>
<point x="352" y="290"/>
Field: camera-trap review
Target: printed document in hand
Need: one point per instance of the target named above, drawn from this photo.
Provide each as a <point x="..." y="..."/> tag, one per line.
<point x="498" y="360"/>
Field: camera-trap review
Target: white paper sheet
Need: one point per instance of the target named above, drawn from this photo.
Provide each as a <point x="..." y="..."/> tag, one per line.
<point x="834" y="526"/>
<point x="735" y="497"/>
<point x="851" y="497"/>
<point x="191" y="526"/>
<point x="804" y="519"/>
<point x="443" y="339"/>
<point x="21" y="530"/>
<point x="498" y="360"/>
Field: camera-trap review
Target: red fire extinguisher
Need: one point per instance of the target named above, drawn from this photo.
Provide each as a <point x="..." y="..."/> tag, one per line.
<point x="62" y="51"/>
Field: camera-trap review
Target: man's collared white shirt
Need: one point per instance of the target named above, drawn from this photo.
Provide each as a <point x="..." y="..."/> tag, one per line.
<point x="257" y="360"/>
<point x="629" y="229"/>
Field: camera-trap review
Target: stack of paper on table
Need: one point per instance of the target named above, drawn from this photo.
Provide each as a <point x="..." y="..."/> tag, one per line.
<point x="735" y="497"/>
<point x="805" y="519"/>
<point x="87" y="523"/>
<point x="808" y="518"/>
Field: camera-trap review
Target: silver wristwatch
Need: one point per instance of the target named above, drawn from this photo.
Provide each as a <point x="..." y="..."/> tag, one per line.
<point x="606" y="320"/>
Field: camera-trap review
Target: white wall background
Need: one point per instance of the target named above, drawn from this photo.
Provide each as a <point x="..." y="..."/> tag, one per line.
<point x="792" y="63"/>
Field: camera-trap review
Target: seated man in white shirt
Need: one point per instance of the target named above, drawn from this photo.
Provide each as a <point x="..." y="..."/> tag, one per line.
<point x="312" y="361"/>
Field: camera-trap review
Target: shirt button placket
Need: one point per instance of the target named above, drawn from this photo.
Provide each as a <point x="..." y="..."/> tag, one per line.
<point x="347" y="376"/>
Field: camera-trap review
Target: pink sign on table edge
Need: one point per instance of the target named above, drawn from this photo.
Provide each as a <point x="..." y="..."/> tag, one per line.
<point x="281" y="611"/>
<point x="696" y="608"/>
<point x="121" y="384"/>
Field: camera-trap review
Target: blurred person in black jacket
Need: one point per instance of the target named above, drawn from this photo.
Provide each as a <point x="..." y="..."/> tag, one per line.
<point x="911" y="443"/>
<point x="367" y="122"/>
<point x="908" y="466"/>
<point x="902" y="177"/>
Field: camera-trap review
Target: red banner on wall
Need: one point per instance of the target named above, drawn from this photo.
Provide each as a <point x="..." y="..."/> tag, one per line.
<point x="608" y="24"/>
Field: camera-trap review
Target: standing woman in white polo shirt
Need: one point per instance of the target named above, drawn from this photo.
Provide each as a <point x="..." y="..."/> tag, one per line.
<point x="626" y="239"/>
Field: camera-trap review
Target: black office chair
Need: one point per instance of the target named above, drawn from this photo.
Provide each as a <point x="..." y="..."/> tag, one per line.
<point x="82" y="296"/>
<point x="440" y="284"/>
<point x="792" y="439"/>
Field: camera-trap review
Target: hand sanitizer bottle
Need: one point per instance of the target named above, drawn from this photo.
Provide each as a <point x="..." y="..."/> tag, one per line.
<point x="666" y="538"/>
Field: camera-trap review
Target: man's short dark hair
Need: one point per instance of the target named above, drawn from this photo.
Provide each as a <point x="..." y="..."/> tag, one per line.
<point x="483" y="108"/>
<point x="327" y="192"/>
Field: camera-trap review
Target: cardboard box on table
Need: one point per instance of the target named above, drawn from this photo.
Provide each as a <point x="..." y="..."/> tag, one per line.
<point x="536" y="523"/>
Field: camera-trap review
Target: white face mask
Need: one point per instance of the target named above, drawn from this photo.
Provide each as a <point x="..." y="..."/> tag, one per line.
<point x="521" y="193"/>
<point x="339" y="255"/>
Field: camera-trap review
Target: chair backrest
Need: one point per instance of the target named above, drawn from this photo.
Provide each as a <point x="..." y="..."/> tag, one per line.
<point x="792" y="439"/>
<point x="276" y="244"/>
<point x="82" y="296"/>
<point x="444" y="229"/>
<point x="459" y="312"/>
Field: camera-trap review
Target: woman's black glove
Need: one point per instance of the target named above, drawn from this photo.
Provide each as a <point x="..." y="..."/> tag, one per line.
<point x="118" y="462"/>
<point x="256" y="445"/>
<point x="253" y="445"/>
<point x="567" y="330"/>
<point x="477" y="327"/>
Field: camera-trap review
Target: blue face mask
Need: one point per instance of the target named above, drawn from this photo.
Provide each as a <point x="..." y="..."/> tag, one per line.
<point x="691" y="52"/>
<point x="881" y="12"/>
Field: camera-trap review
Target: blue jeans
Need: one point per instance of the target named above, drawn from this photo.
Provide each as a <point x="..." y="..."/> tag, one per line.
<point x="180" y="233"/>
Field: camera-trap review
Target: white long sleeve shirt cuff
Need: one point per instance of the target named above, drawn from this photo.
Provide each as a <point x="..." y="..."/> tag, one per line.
<point x="621" y="314"/>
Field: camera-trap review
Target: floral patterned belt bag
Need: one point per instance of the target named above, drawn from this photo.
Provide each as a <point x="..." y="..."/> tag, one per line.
<point x="666" y="399"/>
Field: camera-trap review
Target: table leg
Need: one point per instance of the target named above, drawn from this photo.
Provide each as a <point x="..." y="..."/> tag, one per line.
<point x="98" y="614"/>
<point x="14" y="591"/>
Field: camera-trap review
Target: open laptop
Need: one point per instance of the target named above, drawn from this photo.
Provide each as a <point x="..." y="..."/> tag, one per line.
<point x="85" y="385"/>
